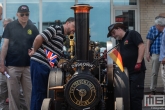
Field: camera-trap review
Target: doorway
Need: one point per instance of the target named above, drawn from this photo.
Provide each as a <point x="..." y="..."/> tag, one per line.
<point x="126" y="17"/>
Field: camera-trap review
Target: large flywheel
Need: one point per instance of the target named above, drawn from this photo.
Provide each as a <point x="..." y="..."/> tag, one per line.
<point x="83" y="92"/>
<point x="122" y="89"/>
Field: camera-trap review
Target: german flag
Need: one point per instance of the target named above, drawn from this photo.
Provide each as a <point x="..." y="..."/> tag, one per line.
<point x="116" y="57"/>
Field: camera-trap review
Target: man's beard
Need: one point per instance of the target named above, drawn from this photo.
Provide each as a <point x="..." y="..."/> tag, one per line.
<point x="117" y="38"/>
<point x="68" y="33"/>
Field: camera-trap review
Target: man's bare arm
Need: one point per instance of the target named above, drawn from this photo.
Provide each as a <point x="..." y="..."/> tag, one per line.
<point x="3" y="54"/>
<point x="163" y="61"/>
<point x="141" y="51"/>
<point x="36" y="44"/>
<point x="148" y="57"/>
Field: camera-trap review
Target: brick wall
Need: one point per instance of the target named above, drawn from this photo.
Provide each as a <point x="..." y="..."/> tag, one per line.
<point x="149" y="9"/>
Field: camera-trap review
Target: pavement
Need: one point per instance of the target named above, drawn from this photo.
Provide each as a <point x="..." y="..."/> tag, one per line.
<point x="159" y="92"/>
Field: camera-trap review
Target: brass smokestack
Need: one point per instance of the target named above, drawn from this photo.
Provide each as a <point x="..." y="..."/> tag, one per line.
<point x="81" y="12"/>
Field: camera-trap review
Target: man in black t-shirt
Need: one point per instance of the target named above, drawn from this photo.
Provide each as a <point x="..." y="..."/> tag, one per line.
<point x="132" y="50"/>
<point x="18" y="38"/>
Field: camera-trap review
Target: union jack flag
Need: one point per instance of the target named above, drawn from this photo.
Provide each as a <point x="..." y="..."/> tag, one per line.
<point x="52" y="58"/>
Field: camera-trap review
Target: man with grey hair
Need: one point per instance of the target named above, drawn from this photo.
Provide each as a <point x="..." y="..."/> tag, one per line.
<point x="160" y="22"/>
<point x="1" y="11"/>
<point x="153" y="51"/>
<point x="5" y="22"/>
<point x="160" y="25"/>
<point x="3" y="90"/>
<point x="3" y="82"/>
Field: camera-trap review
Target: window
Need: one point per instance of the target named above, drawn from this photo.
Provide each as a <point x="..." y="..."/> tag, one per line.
<point x="127" y="17"/>
<point x="124" y="2"/>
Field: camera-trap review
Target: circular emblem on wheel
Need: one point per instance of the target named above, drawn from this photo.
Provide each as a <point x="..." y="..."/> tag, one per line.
<point x="83" y="91"/>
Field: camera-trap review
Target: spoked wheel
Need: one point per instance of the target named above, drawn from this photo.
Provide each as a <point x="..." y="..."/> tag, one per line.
<point x="110" y="79"/>
<point x="110" y="88"/>
<point x="56" y="78"/>
<point x="121" y="90"/>
<point x="47" y="104"/>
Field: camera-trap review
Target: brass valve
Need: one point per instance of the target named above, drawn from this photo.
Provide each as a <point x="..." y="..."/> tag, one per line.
<point x="72" y="43"/>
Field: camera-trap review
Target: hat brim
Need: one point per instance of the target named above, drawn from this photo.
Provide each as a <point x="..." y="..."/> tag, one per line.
<point x="109" y="34"/>
<point x="23" y="11"/>
<point x="110" y="28"/>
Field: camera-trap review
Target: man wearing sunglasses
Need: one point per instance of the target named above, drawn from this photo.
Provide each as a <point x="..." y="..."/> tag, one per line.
<point x="131" y="47"/>
<point x="18" y="38"/>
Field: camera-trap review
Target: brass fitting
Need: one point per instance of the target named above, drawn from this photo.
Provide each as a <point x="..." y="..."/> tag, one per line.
<point x="72" y="43"/>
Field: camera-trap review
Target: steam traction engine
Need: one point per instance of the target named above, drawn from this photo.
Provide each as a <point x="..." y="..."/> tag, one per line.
<point x="86" y="81"/>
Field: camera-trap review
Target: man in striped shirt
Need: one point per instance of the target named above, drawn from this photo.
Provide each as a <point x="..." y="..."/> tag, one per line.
<point x="51" y="39"/>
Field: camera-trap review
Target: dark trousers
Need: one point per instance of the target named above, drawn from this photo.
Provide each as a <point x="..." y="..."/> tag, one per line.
<point x="39" y="77"/>
<point x="136" y="90"/>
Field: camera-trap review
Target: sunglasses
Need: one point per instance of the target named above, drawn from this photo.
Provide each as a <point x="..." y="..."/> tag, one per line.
<point x="22" y="14"/>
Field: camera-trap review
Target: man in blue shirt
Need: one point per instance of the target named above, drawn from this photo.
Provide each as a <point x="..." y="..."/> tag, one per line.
<point x="160" y="24"/>
<point x="153" y="49"/>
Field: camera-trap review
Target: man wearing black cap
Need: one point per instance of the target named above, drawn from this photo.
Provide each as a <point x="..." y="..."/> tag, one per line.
<point x="18" y="38"/>
<point x="132" y="49"/>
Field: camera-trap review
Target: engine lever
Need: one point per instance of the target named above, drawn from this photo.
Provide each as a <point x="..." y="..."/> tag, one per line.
<point x="71" y="60"/>
<point x="104" y="54"/>
<point x="86" y="108"/>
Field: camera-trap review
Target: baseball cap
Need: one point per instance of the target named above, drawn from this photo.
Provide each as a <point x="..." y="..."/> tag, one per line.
<point x="23" y="9"/>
